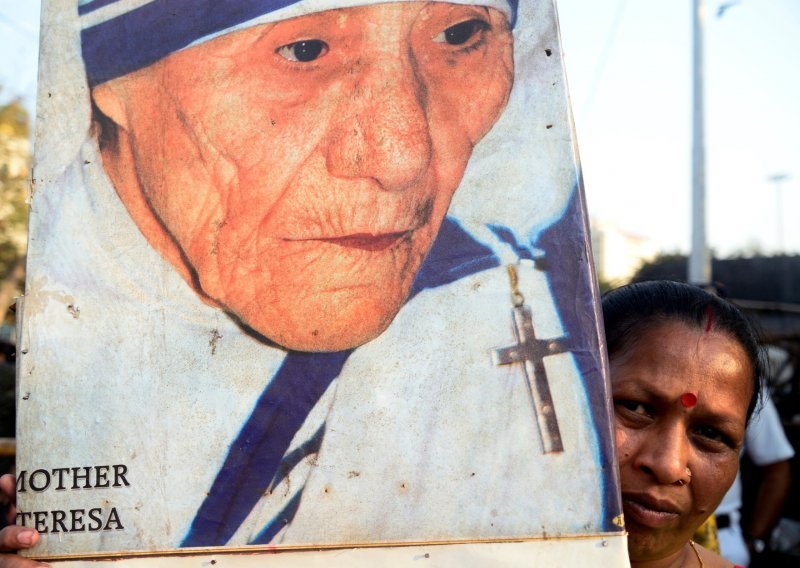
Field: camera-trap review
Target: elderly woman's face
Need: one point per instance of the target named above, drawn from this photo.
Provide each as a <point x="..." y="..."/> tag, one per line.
<point x="659" y="437"/>
<point x="298" y="172"/>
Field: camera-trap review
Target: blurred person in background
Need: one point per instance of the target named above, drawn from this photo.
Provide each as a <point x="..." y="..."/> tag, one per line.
<point x="770" y="451"/>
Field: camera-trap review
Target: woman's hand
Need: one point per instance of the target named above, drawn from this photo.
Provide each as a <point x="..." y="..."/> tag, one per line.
<point x="12" y="537"/>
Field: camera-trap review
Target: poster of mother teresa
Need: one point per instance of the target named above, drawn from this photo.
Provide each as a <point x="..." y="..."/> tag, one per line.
<point x="308" y="273"/>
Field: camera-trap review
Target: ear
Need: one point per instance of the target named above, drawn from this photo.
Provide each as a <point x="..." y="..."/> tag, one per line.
<point x="109" y="101"/>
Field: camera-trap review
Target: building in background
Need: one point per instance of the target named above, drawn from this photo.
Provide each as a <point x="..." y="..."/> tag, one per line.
<point x="618" y="254"/>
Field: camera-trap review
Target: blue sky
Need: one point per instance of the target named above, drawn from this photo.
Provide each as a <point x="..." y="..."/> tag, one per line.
<point x="629" y="69"/>
<point x="19" y="30"/>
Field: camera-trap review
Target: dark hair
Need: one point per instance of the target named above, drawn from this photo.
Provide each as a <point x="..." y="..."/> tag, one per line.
<point x="629" y="310"/>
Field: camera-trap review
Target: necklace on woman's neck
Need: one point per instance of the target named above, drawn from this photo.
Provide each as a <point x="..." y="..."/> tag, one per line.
<point x="696" y="553"/>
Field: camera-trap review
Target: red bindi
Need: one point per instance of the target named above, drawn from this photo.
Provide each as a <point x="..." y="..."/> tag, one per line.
<point x="688" y="399"/>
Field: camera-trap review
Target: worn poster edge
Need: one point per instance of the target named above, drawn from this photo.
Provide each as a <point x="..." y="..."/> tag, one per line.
<point x="563" y="551"/>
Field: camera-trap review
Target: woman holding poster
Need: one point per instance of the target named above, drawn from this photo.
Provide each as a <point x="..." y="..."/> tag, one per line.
<point x="686" y="372"/>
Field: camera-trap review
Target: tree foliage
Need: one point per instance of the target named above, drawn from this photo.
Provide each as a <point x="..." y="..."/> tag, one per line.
<point x="14" y="191"/>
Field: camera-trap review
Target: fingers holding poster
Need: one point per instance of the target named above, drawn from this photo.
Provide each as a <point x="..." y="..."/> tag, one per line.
<point x="272" y="281"/>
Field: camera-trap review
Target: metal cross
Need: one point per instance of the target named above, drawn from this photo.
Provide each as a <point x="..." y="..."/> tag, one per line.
<point x="531" y="352"/>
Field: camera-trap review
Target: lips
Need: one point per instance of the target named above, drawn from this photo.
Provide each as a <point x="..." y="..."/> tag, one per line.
<point x="369" y="242"/>
<point x="645" y="510"/>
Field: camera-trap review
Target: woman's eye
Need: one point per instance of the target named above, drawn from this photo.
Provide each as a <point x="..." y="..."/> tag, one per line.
<point x="634" y="407"/>
<point x="461" y="33"/>
<point x="303" y="51"/>
<point x="714" y="435"/>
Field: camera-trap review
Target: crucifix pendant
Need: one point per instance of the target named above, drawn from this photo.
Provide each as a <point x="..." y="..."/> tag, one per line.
<point x="531" y="352"/>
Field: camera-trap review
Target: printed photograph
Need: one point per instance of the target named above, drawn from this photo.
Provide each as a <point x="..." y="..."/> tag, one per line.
<point x="308" y="273"/>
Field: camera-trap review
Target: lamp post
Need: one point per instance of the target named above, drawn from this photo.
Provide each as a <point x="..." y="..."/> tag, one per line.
<point x="699" y="257"/>
<point x="778" y="180"/>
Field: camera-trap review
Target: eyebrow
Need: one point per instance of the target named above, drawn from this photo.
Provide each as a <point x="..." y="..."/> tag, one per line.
<point x="642" y="390"/>
<point x="454" y="7"/>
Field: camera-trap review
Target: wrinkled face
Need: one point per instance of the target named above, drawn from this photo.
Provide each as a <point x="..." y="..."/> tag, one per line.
<point x="297" y="173"/>
<point x="658" y="437"/>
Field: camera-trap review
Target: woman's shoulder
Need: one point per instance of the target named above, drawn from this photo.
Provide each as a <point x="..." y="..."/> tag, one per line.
<point x="711" y="559"/>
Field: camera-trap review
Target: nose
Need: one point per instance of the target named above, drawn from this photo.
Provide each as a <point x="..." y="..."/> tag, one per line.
<point x="383" y="131"/>
<point x="667" y="458"/>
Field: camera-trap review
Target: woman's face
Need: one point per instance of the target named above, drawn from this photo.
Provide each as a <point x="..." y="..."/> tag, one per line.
<point x="298" y="172"/>
<point x="659" y="437"/>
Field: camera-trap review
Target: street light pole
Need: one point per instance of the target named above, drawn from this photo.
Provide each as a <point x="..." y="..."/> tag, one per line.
<point x="699" y="258"/>
<point x="778" y="180"/>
